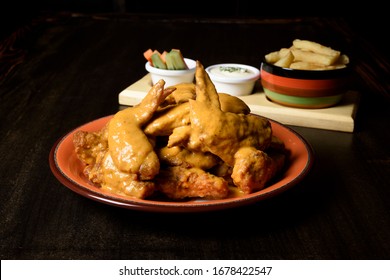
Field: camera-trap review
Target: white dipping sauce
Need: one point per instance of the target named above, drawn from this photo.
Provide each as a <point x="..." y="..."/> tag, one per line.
<point x="231" y="71"/>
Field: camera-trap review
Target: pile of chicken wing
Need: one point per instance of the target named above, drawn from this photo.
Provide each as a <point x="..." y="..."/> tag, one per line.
<point x="186" y="141"/>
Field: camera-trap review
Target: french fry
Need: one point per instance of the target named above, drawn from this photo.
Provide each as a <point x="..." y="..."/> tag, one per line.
<point x="307" y="55"/>
<point x="272" y="57"/>
<point x="284" y="51"/>
<point x="303" y="65"/>
<point x="312" y="57"/>
<point x="315" y="47"/>
<point x="286" y="60"/>
<point x="338" y="66"/>
<point x="343" y="59"/>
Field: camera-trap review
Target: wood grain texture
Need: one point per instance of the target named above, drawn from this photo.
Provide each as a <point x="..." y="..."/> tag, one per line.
<point x="72" y="70"/>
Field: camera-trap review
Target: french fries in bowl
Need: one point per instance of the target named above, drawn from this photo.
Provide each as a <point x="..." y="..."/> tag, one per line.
<point x="305" y="75"/>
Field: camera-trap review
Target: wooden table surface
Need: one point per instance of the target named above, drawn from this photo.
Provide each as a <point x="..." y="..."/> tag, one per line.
<point x="63" y="70"/>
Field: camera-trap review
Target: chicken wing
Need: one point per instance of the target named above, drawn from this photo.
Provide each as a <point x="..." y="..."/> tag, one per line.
<point x="129" y="146"/>
<point x="170" y="117"/>
<point x="179" y="156"/>
<point x="178" y="183"/>
<point x="224" y="133"/>
<point x="121" y="158"/>
<point x="92" y="149"/>
<point x="252" y="169"/>
<point x="89" y="144"/>
<point x="167" y="119"/>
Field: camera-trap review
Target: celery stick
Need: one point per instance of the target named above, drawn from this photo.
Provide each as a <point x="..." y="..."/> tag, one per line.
<point x="169" y="61"/>
<point x="157" y="61"/>
<point x="175" y="60"/>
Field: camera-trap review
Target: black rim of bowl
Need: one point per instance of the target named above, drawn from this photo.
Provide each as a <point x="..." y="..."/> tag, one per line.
<point x="305" y="74"/>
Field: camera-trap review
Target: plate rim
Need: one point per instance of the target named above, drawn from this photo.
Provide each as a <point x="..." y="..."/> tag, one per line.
<point x="172" y="206"/>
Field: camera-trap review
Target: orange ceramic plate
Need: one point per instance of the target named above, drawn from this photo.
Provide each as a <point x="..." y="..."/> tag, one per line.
<point x="68" y="170"/>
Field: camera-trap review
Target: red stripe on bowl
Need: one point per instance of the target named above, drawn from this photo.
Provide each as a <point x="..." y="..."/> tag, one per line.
<point x="302" y="83"/>
<point x="303" y="92"/>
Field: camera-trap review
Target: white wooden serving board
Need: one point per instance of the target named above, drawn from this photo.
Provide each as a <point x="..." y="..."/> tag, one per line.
<point x="339" y="118"/>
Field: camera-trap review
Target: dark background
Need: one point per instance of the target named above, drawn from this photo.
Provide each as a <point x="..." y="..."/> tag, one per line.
<point x="17" y="13"/>
<point x="17" y="16"/>
<point x="340" y="211"/>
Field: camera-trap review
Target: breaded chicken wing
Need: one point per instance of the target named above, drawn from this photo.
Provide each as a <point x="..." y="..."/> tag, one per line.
<point x="179" y="183"/>
<point x="89" y="144"/>
<point x="252" y="169"/>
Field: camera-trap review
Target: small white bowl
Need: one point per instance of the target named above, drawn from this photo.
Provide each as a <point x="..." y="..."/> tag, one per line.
<point x="173" y="77"/>
<point x="232" y="78"/>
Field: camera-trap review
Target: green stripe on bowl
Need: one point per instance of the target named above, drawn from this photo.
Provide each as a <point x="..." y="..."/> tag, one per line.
<point x="303" y="92"/>
<point x="303" y="102"/>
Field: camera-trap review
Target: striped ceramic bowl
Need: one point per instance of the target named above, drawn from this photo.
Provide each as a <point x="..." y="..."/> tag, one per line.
<point x="304" y="88"/>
